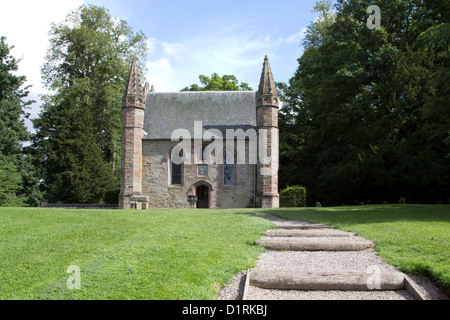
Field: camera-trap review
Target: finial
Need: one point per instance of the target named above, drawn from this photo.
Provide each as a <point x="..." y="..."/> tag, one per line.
<point x="146" y="89"/>
<point x="134" y="93"/>
<point x="267" y="84"/>
<point x="134" y="81"/>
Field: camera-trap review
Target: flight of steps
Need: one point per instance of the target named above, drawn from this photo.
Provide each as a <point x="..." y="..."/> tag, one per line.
<point x="302" y="237"/>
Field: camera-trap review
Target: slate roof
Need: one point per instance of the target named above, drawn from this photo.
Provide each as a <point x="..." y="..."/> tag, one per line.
<point x="168" y="111"/>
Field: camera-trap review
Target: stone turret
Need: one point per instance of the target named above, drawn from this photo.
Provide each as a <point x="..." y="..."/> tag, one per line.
<point x="133" y="107"/>
<point x="267" y="101"/>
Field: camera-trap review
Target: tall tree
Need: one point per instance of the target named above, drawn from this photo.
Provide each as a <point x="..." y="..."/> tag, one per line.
<point x="370" y="105"/>
<point x="18" y="182"/>
<point x="79" y="130"/>
<point x="218" y="83"/>
<point x="12" y="112"/>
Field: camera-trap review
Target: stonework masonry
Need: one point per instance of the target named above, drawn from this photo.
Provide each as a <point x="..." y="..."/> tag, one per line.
<point x="148" y="120"/>
<point x="132" y="132"/>
<point x="267" y="119"/>
<point x="156" y="180"/>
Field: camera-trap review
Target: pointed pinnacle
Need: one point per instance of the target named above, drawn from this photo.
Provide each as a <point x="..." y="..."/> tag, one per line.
<point x="146" y="89"/>
<point x="134" y="93"/>
<point x="134" y="81"/>
<point x="267" y="84"/>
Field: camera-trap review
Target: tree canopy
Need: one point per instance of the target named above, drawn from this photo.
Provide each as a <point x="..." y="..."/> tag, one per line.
<point x="218" y="83"/>
<point x="78" y="135"/>
<point x="365" y="117"/>
<point x="18" y="181"/>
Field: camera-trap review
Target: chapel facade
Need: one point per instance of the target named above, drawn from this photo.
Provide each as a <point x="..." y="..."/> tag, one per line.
<point x="221" y="147"/>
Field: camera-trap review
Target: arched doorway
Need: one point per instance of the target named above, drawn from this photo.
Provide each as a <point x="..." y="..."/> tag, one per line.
<point x="202" y="193"/>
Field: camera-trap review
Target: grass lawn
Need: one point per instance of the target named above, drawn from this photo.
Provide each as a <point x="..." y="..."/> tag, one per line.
<point x="155" y="254"/>
<point x="189" y="254"/>
<point x="414" y="238"/>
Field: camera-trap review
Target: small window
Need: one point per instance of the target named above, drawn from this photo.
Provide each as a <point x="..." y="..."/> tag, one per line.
<point x="176" y="171"/>
<point x="228" y="171"/>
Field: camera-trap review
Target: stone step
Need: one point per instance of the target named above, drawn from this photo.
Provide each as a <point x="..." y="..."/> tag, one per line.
<point x="255" y="293"/>
<point x="301" y="225"/>
<point x="296" y="244"/>
<point x="292" y="224"/>
<point x="306" y="280"/>
<point x="307" y="233"/>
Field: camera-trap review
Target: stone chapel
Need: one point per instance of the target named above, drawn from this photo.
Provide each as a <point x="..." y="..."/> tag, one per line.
<point x="158" y="173"/>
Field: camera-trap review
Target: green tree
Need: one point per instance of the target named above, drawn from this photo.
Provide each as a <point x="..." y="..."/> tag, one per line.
<point x="369" y="106"/>
<point x="18" y="179"/>
<point x="10" y="184"/>
<point x="79" y="130"/>
<point x="218" y="83"/>
<point x="12" y="112"/>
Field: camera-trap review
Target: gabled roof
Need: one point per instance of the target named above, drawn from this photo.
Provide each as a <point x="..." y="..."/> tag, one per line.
<point x="168" y="111"/>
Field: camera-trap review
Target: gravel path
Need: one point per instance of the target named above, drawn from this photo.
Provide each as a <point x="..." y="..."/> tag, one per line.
<point x="356" y="261"/>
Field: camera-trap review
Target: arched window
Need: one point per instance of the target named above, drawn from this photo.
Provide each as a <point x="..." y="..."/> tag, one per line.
<point x="176" y="171"/>
<point x="228" y="167"/>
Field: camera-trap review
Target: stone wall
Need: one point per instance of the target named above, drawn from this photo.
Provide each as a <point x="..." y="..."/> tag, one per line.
<point x="60" y="205"/>
<point x="156" y="180"/>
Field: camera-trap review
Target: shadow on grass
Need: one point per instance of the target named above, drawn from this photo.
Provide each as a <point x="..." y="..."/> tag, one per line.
<point x="365" y="214"/>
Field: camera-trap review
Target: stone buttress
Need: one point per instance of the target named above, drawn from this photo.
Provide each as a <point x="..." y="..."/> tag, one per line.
<point x="133" y="106"/>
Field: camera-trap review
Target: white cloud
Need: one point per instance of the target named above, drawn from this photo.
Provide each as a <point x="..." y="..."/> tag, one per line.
<point x="173" y="49"/>
<point x="151" y="44"/>
<point x="26" y="24"/>
<point x="177" y="65"/>
<point x="161" y="72"/>
<point x="296" y="37"/>
<point x="161" y="75"/>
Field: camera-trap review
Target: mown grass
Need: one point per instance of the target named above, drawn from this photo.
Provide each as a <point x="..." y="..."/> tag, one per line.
<point x="189" y="254"/>
<point x="414" y="238"/>
<point x="154" y="254"/>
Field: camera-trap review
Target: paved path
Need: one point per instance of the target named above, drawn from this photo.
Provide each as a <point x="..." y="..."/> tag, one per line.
<point x="320" y="263"/>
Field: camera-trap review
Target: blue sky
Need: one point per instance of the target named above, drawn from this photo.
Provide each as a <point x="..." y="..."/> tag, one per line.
<point x="188" y="38"/>
<point x="185" y="38"/>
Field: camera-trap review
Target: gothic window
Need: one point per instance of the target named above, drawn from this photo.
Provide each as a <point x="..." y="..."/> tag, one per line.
<point x="176" y="172"/>
<point x="228" y="168"/>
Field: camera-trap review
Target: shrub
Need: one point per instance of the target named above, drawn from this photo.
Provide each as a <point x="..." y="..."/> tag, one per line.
<point x="293" y="196"/>
<point x="112" y="196"/>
